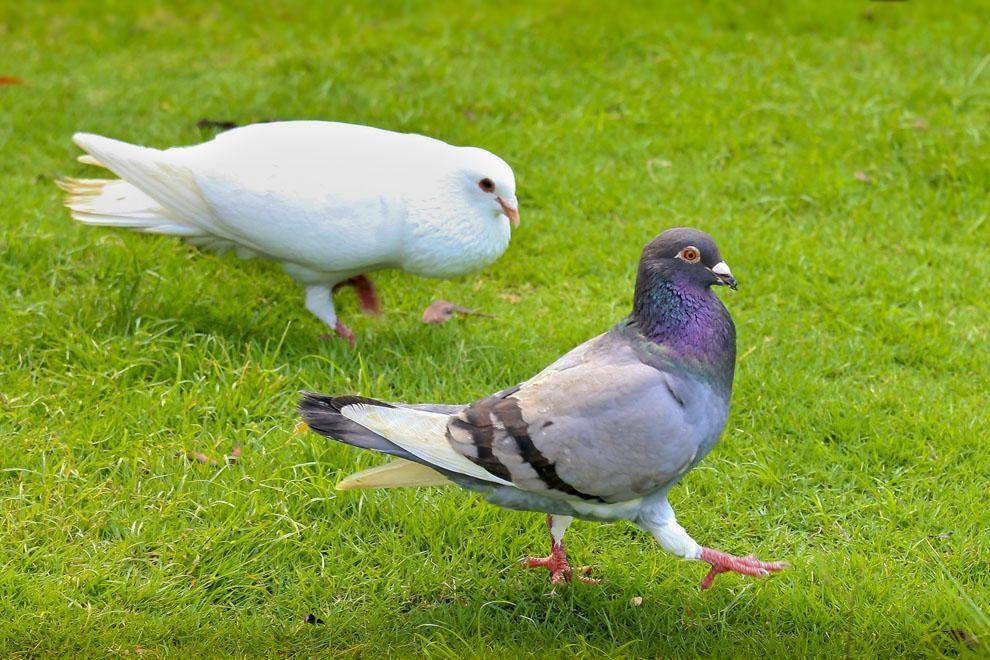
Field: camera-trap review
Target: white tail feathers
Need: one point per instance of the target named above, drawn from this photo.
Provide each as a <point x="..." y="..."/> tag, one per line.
<point x="151" y="171"/>
<point x="117" y="203"/>
<point x="400" y="473"/>
<point x="154" y="195"/>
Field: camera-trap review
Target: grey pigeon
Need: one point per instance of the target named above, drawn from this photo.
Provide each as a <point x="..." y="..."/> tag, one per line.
<point x="602" y="434"/>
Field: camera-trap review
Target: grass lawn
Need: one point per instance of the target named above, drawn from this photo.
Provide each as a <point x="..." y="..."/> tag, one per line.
<point x="840" y="155"/>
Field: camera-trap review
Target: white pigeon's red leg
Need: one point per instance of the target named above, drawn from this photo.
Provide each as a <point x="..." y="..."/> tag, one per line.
<point x="319" y="301"/>
<point x="659" y="520"/>
<point x="367" y="296"/>
<point x="341" y="331"/>
<point x="556" y="561"/>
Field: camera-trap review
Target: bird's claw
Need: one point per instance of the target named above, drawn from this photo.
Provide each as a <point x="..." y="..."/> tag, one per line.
<point x="342" y="331"/>
<point x="560" y="570"/>
<point x="723" y="562"/>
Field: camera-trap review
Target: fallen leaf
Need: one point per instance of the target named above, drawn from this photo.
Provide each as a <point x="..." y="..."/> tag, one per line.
<point x="962" y="636"/>
<point x="636" y="601"/>
<point x="442" y="311"/>
<point x="11" y="80"/>
<point x="862" y="176"/>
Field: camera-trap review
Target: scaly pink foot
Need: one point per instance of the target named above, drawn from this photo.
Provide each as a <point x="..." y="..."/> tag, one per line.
<point x="342" y="331"/>
<point x="556" y="561"/>
<point x="367" y="296"/>
<point x="723" y="562"/>
<point x="560" y="570"/>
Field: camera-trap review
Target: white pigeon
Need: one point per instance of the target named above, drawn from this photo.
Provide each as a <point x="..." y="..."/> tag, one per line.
<point x="330" y="201"/>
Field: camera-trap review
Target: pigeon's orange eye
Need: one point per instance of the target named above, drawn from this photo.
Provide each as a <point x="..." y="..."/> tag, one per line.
<point x="487" y="185"/>
<point x="690" y="254"/>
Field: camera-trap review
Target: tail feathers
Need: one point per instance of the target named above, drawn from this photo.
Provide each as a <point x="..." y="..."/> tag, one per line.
<point x="399" y="473"/>
<point x="117" y="203"/>
<point x="151" y="171"/>
<point x="416" y="434"/>
<point x="153" y="195"/>
<point x="322" y="413"/>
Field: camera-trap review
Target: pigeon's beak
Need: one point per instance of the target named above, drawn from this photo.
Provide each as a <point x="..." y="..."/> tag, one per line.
<point x="724" y="275"/>
<point x="510" y="207"/>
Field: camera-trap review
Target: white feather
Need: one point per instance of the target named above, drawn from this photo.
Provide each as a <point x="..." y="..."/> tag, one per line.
<point x="421" y="433"/>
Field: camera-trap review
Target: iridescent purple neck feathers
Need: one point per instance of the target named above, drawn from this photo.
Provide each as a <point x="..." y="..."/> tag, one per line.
<point x="689" y="323"/>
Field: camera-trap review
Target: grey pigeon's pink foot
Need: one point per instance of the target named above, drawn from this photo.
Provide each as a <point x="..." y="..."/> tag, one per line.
<point x="342" y="331"/>
<point x="560" y="570"/>
<point x="367" y="296"/>
<point x="723" y="562"/>
<point x="556" y="562"/>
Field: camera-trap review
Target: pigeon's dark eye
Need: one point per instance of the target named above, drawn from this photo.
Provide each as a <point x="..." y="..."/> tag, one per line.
<point x="487" y="185"/>
<point x="690" y="254"/>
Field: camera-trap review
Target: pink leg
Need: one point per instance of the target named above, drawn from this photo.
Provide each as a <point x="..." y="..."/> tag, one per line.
<point x="367" y="296"/>
<point x="341" y="331"/>
<point x="723" y="562"/>
<point x="556" y="562"/>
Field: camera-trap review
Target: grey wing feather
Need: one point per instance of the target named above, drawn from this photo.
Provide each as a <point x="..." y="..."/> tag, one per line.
<point x="599" y="424"/>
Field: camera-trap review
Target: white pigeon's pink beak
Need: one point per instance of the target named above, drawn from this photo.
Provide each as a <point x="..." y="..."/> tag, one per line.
<point x="510" y="207"/>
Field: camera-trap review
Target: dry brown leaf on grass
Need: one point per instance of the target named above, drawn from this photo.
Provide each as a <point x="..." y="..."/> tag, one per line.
<point x="10" y="80"/>
<point x="962" y="636"/>
<point x="442" y="311"/>
<point x="200" y="457"/>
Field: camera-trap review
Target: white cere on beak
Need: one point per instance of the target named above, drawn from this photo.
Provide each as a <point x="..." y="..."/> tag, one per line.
<point x="722" y="268"/>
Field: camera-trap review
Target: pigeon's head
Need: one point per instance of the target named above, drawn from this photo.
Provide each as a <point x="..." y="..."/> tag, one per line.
<point x="489" y="183"/>
<point x="687" y="256"/>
